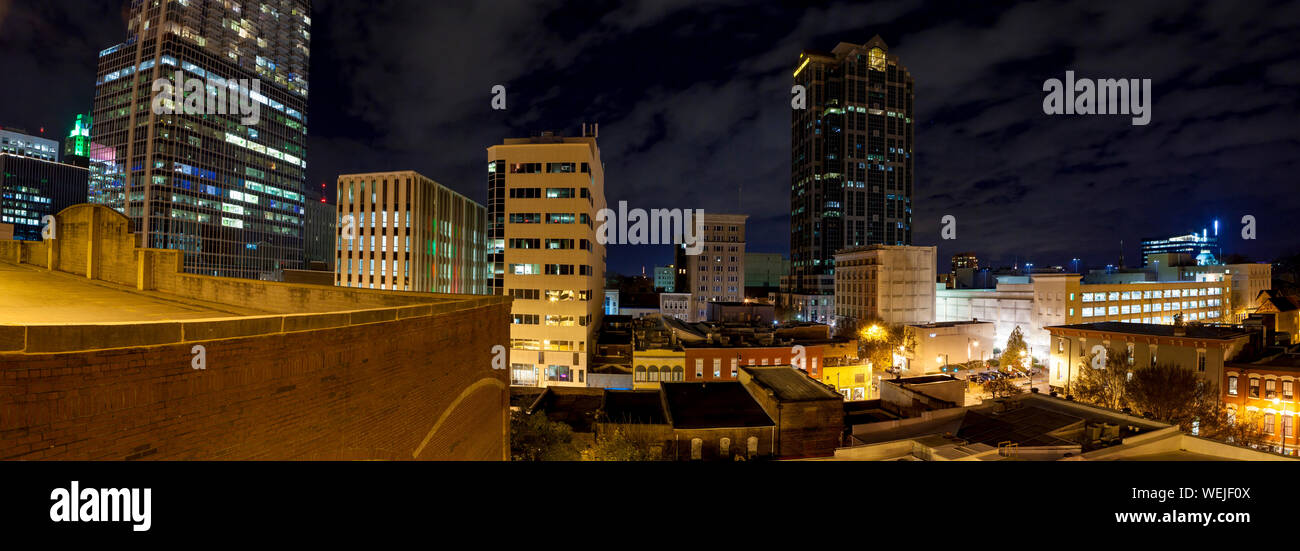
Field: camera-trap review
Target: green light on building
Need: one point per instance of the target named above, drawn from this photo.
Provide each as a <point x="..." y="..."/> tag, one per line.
<point x="79" y="138"/>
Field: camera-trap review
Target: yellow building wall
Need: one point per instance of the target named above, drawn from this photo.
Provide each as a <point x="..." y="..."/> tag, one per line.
<point x="657" y="357"/>
<point x="846" y="377"/>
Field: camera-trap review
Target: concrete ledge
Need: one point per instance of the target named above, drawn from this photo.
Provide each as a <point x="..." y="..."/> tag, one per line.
<point x="414" y="311"/>
<point x="67" y="338"/>
<point x="225" y="329"/>
<point x="372" y="316"/>
<point x="13" y="337"/>
<point x="308" y="322"/>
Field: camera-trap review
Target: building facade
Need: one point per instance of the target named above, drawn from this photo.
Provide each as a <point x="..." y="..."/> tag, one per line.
<point x="665" y="277"/>
<point x="943" y="344"/>
<point x="411" y="234"/>
<point x="225" y="188"/>
<point x="1061" y="299"/>
<point x="320" y="230"/>
<point x="718" y="272"/>
<point x="32" y="188"/>
<point x="1264" y="392"/>
<point x="15" y="142"/>
<point x="1203" y="247"/>
<point x="889" y="283"/>
<point x="543" y="196"/>
<point x="851" y="159"/>
<point x="1203" y="349"/>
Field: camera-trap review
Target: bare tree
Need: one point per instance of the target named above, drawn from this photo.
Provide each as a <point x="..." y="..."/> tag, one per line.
<point x="1104" y="382"/>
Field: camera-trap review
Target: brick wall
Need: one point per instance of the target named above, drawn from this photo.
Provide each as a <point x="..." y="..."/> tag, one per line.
<point x="416" y="387"/>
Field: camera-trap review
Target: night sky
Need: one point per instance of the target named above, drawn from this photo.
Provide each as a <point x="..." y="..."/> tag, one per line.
<point x="693" y="102"/>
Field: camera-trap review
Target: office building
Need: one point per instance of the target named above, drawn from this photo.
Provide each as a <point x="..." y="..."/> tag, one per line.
<point x="32" y="188"/>
<point x="718" y="272"/>
<point x="17" y="142"/>
<point x="763" y="273"/>
<point x="411" y="234"/>
<point x="851" y="174"/>
<point x="195" y="175"/>
<point x="888" y="283"/>
<point x="76" y="147"/>
<point x="965" y="261"/>
<point x="1044" y="300"/>
<point x="543" y="195"/>
<point x="665" y="277"/>
<point x="1204" y="247"/>
<point x="320" y="229"/>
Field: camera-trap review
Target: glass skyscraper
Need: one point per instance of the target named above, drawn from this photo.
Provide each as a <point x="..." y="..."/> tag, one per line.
<point x="851" y="158"/>
<point x="226" y="189"/>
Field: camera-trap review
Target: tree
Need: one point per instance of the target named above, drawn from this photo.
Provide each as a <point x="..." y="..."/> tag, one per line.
<point x="1016" y="348"/>
<point x="1000" y="388"/>
<point x="1234" y="427"/>
<point x="1105" y="384"/>
<point x="878" y="342"/>
<point x="624" y="443"/>
<point x="1172" y="394"/>
<point x="536" y="438"/>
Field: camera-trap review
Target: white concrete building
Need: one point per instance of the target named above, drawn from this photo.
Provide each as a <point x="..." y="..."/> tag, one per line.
<point x="891" y="283"/>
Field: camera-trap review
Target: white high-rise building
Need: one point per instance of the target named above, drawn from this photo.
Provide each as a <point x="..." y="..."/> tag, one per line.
<point x="543" y="195"/>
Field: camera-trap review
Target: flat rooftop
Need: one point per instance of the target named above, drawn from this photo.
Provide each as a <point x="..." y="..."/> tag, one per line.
<point x="35" y="295"/>
<point x="1157" y="330"/>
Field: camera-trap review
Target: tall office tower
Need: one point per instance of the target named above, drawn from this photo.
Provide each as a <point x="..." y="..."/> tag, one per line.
<point x="851" y="158"/>
<point x="76" y="148"/>
<point x="717" y="274"/>
<point x="543" y="195"/>
<point x="409" y="233"/>
<point x="31" y="188"/>
<point x="223" y="186"/>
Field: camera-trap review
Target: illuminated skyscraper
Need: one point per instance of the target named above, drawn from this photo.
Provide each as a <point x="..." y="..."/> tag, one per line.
<point x="543" y="196"/>
<point x="226" y="189"/>
<point x="851" y="158"/>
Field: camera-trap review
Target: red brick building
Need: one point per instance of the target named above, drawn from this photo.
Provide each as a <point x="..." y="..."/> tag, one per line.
<point x="719" y="362"/>
<point x="1265" y="392"/>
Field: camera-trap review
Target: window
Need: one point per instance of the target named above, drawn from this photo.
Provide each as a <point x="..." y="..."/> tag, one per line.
<point x="1270" y="388"/>
<point x="559" y="193"/>
<point x="1286" y="425"/>
<point x="1269" y="424"/>
<point x="697" y="449"/>
<point x="559" y="218"/>
<point x="561" y="167"/>
<point x="1254" y="387"/>
<point x="751" y="446"/>
<point x="557" y="373"/>
<point x="724" y="447"/>
<point x="526" y="168"/>
<point x="1200" y="360"/>
<point x="717" y="368"/>
<point x="1287" y="391"/>
<point x="1232" y="385"/>
<point x="699" y="368"/>
<point x="525" y="218"/>
<point x="734" y="362"/>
